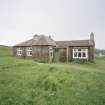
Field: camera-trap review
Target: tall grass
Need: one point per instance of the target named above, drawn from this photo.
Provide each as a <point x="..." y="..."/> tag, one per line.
<point x="26" y="82"/>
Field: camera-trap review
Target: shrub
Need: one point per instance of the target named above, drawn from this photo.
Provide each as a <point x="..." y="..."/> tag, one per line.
<point x="80" y="61"/>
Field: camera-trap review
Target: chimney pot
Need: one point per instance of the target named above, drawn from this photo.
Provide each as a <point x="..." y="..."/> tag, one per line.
<point x="92" y="36"/>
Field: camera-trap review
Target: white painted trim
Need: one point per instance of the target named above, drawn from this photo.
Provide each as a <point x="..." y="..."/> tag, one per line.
<point x="28" y="51"/>
<point x="50" y="53"/>
<point x="19" y="51"/>
<point x="82" y="51"/>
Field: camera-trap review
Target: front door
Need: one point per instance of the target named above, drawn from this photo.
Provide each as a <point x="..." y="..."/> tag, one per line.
<point x="60" y="55"/>
<point x="63" y="55"/>
<point x="55" y="55"/>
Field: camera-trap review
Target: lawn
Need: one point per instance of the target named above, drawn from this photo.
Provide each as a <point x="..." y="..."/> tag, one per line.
<point x="26" y="82"/>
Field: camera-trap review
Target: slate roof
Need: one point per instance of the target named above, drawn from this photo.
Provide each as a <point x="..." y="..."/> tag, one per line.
<point x="75" y="43"/>
<point x="46" y="40"/>
<point x="25" y="43"/>
<point x="41" y="40"/>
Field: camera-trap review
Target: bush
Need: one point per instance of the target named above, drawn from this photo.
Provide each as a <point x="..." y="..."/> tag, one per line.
<point x="80" y="61"/>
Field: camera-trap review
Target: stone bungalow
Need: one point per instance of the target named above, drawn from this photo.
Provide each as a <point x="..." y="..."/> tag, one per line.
<point x="44" y="48"/>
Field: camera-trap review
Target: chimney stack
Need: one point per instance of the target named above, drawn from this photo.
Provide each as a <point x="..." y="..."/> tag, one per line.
<point x="50" y="36"/>
<point x="92" y="36"/>
<point x="35" y="37"/>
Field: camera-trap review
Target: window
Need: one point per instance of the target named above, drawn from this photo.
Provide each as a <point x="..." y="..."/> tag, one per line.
<point x="80" y="53"/>
<point x="84" y="54"/>
<point x="51" y="51"/>
<point x="19" y="51"/>
<point x="29" y="51"/>
<point x="79" y="49"/>
<point x="75" y="54"/>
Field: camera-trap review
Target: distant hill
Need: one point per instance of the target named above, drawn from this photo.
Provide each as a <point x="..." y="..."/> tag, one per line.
<point x="5" y="51"/>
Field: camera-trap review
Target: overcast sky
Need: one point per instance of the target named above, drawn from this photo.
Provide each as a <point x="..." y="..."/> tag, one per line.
<point x="62" y="19"/>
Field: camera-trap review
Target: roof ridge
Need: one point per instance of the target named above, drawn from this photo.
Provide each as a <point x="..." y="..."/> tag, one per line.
<point x="70" y="40"/>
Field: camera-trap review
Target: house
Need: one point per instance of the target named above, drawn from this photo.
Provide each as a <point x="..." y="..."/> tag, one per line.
<point x="44" y="48"/>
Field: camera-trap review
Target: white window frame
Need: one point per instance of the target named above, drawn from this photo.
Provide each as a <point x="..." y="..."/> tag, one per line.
<point x="29" y="51"/>
<point x="83" y="50"/>
<point x="19" y="51"/>
<point x="51" y="51"/>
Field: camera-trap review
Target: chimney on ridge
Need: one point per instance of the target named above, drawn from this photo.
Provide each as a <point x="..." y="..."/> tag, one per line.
<point x="92" y="36"/>
<point x="35" y="37"/>
<point x="50" y="36"/>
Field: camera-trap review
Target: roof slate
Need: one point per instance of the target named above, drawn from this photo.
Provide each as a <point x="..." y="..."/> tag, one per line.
<point x="61" y="44"/>
<point x="45" y="40"/>
<point x="41" y="40"/>
<point x="25" y="43"/>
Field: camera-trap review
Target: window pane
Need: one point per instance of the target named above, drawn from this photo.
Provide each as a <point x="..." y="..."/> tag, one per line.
<point x="84" y="54"/>
<point x="31" y="48"/>
<point x="83" y="49"/>
<point x="51" y="54"/>
<point x="19" y="51"/>
<point x="75" y="54"/>
<point x="79" y="49"/>
<point x="79" y="54"/>
<point x="75" y="49"/>
<point x="30" y="52"/>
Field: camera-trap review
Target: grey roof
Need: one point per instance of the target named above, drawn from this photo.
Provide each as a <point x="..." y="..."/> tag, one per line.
<point x="26" y="43"/>
<point x="61" y="44"/>
<point x="46" y="40"/>
<point x="41" y="40"/>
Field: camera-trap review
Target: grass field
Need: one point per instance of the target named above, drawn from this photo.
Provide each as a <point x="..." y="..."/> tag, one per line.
<point x="26" y="82"/>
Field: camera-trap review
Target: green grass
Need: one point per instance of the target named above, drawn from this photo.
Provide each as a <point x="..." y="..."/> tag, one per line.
<point x="26" y="82"/>
<point x="5" y="51"/>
